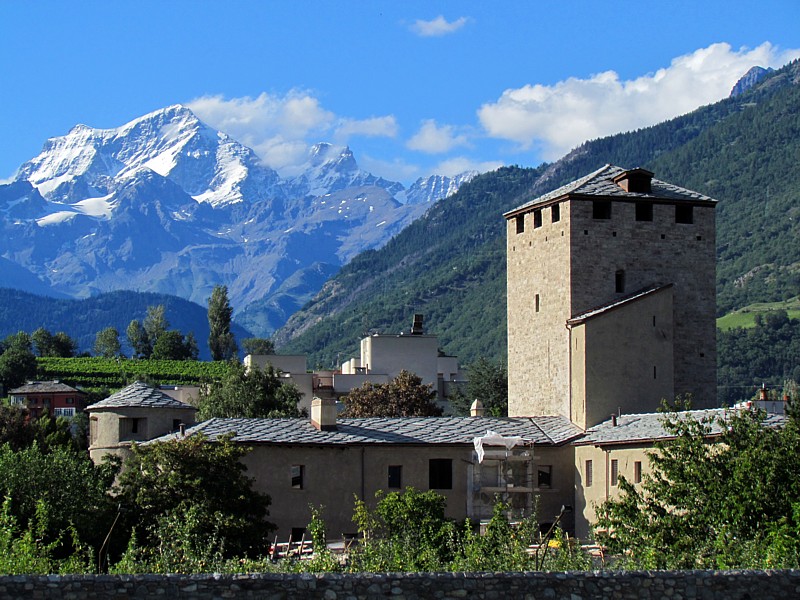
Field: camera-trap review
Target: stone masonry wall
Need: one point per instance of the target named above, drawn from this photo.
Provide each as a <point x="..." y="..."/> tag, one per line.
<point x="686" y="585"/>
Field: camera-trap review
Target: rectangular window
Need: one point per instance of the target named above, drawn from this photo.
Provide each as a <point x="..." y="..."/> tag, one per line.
<point x="395" y="476"/>
<point x="588" y="474"/>
<point x="601" y="209"/>
<point x="619" y="281"/>
<point x="545" y="477"/>
<point x="537" y="218"/>
<point x="92" y="430"/>
<point x="555" y="213"/>
<point x="64" y="412"/>
<point x="440" y="474"/>
<point x="520" y="220"/>
<point x="684" y="214"/>
<point x="298" y="475"/>
<point x="614" y="471"/>
<point x="644" y="211"/>
<point x="637" y="472"/>
<point x="536" y="302"/>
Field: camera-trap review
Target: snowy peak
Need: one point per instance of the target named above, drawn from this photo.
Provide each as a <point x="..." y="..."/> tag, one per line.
<point x="172" y="142"/>
<point x="435" y="187"/>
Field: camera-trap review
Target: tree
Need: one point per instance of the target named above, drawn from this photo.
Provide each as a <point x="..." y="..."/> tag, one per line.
<point x="258" y="346"/>
<point x="47" y="344"/>
<point x="63" y="346"/>
<point x="155" y="323"/>
<point x="195" y="474"/>
<point x="138" y="340"/>
<point x="249" y="393"/>
<point x="220" y="339"/>
<point x="106" y="343"/>
<point x="733" y="501"/>
<point x="487" y="382"/>
<point x="17" y="363"/>
<point x="403" y="396"/>
<point x="171" y="345"/>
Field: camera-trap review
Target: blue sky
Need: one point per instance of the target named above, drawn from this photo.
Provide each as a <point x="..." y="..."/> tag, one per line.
<point x="412" y="87"/>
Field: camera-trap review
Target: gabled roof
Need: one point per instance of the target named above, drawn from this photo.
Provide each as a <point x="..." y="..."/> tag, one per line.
<point x="604" y="308"/>
<point x="548" y="431"/>
<point x="140" y="395"/>
<point x="647" y="427"/>
<point x="45" y="387"/>
<point x="601" y="183"/>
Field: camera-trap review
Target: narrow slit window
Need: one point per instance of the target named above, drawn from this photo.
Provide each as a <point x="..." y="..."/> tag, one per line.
<point x="588" y="476"/>
<point x="536" y="303"/>
<point x="298" y="476"/>
<point x="637" y="472"/>
<point x="614" y="471"/>
<point x="619" y="281"/>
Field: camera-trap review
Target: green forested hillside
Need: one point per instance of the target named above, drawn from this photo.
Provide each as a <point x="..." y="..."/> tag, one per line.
<point x="82" y="319"/>
<point x="450" y="265"/>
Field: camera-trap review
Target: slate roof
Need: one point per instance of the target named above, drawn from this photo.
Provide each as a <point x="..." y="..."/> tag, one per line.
<point x="648" y="426"/>
<point x="45" y="387"/>
<point x="548" y="431"/>
<point x="140" y="395"/>
<point x="598" y="310"/>
<point x="601" y="183"/>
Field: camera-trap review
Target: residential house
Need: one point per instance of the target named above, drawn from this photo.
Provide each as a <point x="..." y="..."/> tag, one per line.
<point x="52" y="398"/>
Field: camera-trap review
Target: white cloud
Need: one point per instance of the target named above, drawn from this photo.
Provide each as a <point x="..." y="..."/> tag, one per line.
<point x="373" y="127"/>
<point x="559" y="117"/>
<point x="434" y="139"/>
<point x="460" y="164"/>
<point x="281" y="128"/>
<point x="437" y="27"/>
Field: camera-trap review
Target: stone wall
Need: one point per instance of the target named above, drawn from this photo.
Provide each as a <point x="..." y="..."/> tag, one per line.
<point x="687" y="585"/>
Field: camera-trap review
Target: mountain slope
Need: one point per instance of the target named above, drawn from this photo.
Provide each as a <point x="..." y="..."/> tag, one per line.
<point x="450" y="265"/>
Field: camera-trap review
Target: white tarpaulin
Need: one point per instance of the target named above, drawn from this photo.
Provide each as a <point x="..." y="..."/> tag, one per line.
<point x="494" y="439"/>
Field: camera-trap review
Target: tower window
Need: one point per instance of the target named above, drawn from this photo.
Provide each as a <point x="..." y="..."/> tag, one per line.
<point x="684" y="214"/>
<point x="601" y="209"/>
<point x="555" y="213"/>
<point x="537" y="218"/>
<point x="644" y="211"/>
<point x="619" y="281"/>
<point x="520" y="220"/>
<point x="536" y="302"/>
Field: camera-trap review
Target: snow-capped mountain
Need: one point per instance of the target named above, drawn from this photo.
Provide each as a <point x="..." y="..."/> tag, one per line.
<point x="167" y="204"/>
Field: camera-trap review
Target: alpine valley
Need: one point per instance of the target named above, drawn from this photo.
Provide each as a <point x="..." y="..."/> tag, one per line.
<point x="167" y="204"/>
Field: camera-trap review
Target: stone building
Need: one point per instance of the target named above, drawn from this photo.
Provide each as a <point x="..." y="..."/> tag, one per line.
<point x="611" y="297"/>
<point x="136" y="413"/>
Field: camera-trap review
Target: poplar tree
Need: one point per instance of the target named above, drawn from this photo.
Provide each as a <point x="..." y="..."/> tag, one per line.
<point x="220" y="339"/>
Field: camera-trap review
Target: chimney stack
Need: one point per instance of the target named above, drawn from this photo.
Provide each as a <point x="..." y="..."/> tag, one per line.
<point x="323" y="414"/>
<point x="476" y="409"/>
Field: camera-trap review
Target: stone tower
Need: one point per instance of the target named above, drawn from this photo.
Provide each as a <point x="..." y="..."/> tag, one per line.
<point x="611" y="298"/>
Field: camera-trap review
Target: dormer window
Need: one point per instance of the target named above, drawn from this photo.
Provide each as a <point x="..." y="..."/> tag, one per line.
<point x="635" y="181"/>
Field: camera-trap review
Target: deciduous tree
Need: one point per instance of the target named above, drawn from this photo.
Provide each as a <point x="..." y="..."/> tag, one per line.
<point x="258" y="346"/>
<point x="403" y="396"/>
<point x="106" y="343"/>
<point x="199" y="475"/>
<point x="249" y="393"/>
